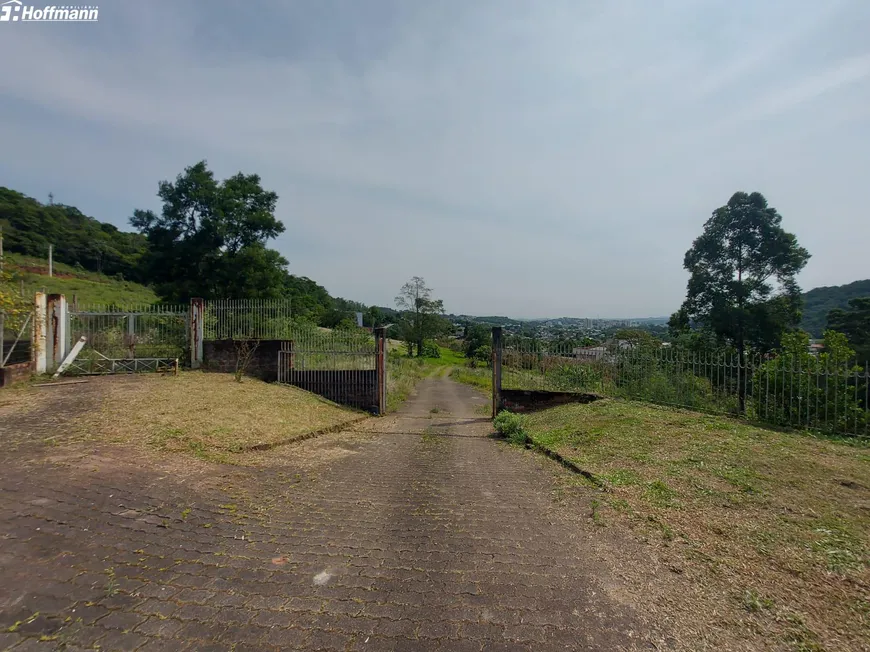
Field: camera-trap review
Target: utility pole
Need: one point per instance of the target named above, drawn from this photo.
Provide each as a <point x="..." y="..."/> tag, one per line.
<point x="50" y="265"/>
<point x="51" y="199"/>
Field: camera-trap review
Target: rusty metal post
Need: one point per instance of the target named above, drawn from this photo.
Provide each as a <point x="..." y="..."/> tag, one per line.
<point x="197" y="312"/>
<point x="58" y="330"/>
<point x="496" y="369"/>
<point x="381" y="366"/>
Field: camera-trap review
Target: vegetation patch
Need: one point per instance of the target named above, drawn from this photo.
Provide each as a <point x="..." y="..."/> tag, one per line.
<point x="213" y="417"/>
<point x="476" y="377"/>
<point x="779" y="521"/>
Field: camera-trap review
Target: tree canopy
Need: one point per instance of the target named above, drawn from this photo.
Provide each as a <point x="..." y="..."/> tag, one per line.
<point x="420" y="314"/>
<point x="733" y="264"/>
<point x="210" y="238"/>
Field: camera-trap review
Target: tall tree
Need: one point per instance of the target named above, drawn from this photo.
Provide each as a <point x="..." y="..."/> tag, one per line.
<point x="210" y="238"/>
<point x="421" y="314"/>
<point x="733" y="265"/>
<point x="854" y="323"/>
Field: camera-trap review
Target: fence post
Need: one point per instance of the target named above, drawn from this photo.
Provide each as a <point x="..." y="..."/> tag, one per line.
<point x="496" y="369"/>
<point x="38" y="339"/>
<point x="57" y="334"/>
<point x="381" y="366"/>
<point x="197" y="311"/>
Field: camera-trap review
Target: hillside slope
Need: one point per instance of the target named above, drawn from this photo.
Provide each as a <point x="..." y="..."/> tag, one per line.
<point x="86" y="287"/>
<point x="818" y="302"/>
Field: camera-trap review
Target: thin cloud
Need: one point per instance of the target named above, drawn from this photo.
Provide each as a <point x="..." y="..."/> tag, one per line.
<point x="570" y="149"/>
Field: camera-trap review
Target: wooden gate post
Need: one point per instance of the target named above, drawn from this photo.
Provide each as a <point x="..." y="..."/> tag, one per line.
<point x="381" y="366"/>
<point x="496" y="369"/>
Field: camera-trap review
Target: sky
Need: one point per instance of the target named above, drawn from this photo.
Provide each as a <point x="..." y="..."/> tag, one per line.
<point x="526" y="158"/>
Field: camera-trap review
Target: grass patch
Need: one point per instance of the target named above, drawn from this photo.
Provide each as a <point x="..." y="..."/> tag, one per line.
<point x="403" y="372"/>
<point x="478" y="378"/>
<point x="779" y="520"/>
<point x="87" y="287"/>
<point x="211" y="416"/>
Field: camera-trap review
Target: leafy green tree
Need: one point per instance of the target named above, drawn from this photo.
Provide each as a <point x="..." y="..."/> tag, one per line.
<point x="854" y="323"/>
<point x="420" y="314"/>
<point x="476" y="337"/>
<point x="210" y="238"/>
<point x="733" y="264"/>
<point x="637" y="339"/>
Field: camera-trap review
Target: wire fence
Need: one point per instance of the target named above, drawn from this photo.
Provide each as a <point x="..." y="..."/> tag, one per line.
<point x="15" y="328"/>
<point x="131" y="331"/>
<point x="262" y="319"/>
<point x="801" y="391"/>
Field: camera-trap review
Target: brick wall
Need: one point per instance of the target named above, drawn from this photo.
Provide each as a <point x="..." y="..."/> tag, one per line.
<point x="14" y="373"/>
<point x="521" y="400"/>
<point x="221" y="355"/>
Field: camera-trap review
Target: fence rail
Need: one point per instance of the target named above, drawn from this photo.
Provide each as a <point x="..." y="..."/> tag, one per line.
<point x="784" y="390"/>
<point x="131" y="331"/>
<point x="262" y="319"/>
<point x="346" y="367"/>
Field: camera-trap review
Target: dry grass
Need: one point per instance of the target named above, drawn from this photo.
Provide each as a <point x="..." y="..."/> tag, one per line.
<point x="211" y="415"/>
<point x="768" y="532"/>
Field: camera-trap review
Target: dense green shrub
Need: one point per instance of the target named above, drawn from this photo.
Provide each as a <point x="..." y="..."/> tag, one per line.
<point x="511" y="426"/>
<point x="431" y="349"/>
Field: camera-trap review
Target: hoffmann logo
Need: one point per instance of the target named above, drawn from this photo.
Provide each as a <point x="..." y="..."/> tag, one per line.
<point x="15" y="10"/>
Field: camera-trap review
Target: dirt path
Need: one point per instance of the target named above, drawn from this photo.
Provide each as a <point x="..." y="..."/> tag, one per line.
<point x="417" y="532"/>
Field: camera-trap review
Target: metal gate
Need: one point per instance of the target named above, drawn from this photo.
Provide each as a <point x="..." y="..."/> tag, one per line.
<point x="124" y="339"/>
<point x="345" y="367"/>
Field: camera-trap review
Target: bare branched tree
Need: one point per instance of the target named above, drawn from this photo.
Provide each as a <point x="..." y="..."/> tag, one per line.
<point x="245" y="350"/>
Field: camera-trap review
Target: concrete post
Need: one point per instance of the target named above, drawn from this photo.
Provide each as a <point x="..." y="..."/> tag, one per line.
<point x="496" y="369"/>
<point x="197" y="311"/>
<point x="38" y="342"/>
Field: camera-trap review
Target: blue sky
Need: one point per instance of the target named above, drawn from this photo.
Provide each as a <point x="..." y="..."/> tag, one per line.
<point x="526" y="158"/>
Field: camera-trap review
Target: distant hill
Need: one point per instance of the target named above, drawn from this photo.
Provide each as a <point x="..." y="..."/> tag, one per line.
<point x="30" y="226"/>
<point x="818" y="302"/>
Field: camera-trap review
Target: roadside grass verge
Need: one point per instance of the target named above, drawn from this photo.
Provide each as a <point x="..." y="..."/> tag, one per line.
<point x="771" y="528"/>
<point x="212" y="416"/>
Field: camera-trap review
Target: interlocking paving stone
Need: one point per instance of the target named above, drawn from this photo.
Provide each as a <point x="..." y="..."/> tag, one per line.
<point x="421" y="534"/>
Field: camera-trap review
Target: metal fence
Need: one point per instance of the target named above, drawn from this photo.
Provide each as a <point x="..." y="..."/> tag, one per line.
<point x="131" y="331"/>
<point x="787" y="390"/>
<point x="262" y="319"/>
<point x="346" y="367"/>
<point x="15" y="337"/>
